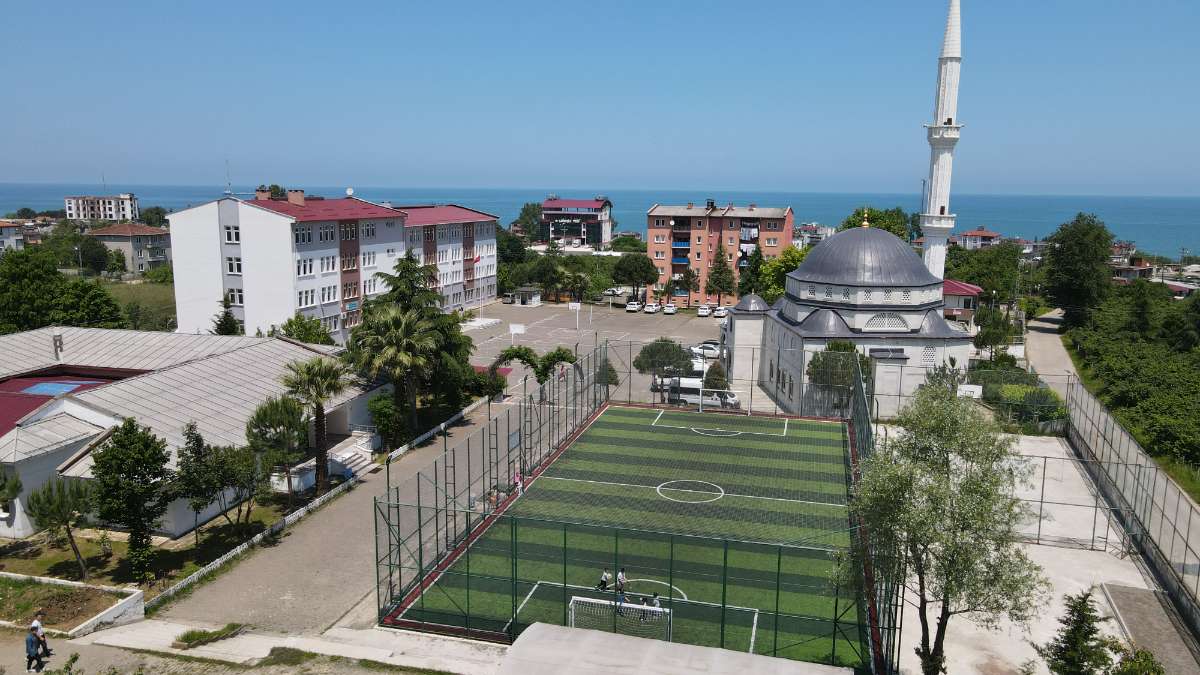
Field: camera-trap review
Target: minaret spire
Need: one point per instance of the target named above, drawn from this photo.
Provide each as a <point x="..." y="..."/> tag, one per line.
<point x="936" y="218"/>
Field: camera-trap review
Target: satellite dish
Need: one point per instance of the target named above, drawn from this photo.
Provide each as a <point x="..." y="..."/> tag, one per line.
<point x="349" y="192"/>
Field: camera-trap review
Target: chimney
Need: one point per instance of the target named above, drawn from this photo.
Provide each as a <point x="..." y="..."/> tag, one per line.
<point x="262" y="193"/>
<point x="690" y="205"/>
<point x="56" y="342"/>
<point x="752" y="206"/>
<point x="712" y="204"/>
<point x="295" y="197"/>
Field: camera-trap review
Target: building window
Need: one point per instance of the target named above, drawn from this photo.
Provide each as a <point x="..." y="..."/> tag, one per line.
<point x="731" y="241"/>
<point x="391" y="253"/>
<point x="886" y="321"/>
<point x="906" y="295"/>
<point x="235" y="297"/>
<point x="772" y="241"/>
<point x="368" y="230"/>
<point x="659" y="255"/>
<point x="233" y="234"/>
<point x="928" y="356"/>
<point x="304" y="267"/>
<point x="349" y="262"/>
<point x="368" y="258"/>
<point x="328" y="294"/>
<point x="327" y="233"/>
<point x="828" y="292"/>
<point x="369" y="286"/>
<point x="698" y="255"/>
<point x="302" y="234"/>
<point x="867" y="295"/>
<point x="887" y="295"/>
<point x="846" y="294"/>
<point x="233" y="265"/>
<point x="307" y="298"/>
<point x="812" y="291"/>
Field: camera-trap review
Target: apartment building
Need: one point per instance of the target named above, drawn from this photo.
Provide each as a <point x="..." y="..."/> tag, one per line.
<point x="686" y="237"/>
<point x="978" y="238"/>
<point x="275" y="257"/>
<point x="111" y="207"/>
<point x="573" y="222"/>
<point x="12" y="235"/>
<point x="811" y="234"/>
<point x="144" y="247"/>
<point x="461" y="242"/>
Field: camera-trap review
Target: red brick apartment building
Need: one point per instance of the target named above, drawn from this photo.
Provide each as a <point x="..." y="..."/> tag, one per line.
<point x="681" y="237"/>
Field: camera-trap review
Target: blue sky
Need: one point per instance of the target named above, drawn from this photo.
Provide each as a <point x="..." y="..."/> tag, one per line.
<point x="1058" y="96"/>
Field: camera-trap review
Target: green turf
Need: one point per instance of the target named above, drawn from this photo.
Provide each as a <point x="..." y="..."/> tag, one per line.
<point x="603" y="503"/>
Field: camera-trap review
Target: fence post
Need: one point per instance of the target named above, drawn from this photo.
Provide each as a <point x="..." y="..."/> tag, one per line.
<point x="778" y="583"/>
<point x="837" y="595"/>
<point x="724" y="587"/>
<point x="671" y="582"/>
<point x="512" y="630"/>
<point x="564" y="582"/>
<point x="616" y="571"/>
<point x="420" y="552"/>
<point x="1042" y="501"/>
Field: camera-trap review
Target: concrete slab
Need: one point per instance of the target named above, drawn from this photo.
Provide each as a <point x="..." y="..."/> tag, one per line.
<point x="543" y="649"/>
<point x="1142" y="613"/>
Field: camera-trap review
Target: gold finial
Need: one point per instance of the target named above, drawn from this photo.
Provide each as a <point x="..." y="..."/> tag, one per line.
<point x="865" y="212"/>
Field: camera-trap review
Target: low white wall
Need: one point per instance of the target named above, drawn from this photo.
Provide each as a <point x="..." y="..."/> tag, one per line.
<point x="34" y="472"/>
<point x="126" y="610"/>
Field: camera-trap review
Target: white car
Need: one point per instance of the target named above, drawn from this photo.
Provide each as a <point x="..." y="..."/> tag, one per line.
<point x="652" y="308"/>
<point x="703" y="310"/>
<point x="670" y="308"/>
<point x="720" y="312"/>
<point x="707" y="350"/>
<point x="613" y="292"/>
<point x="633" y="306"/>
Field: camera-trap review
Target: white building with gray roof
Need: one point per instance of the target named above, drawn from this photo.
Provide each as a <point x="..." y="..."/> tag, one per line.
<point x="63" y="390"/>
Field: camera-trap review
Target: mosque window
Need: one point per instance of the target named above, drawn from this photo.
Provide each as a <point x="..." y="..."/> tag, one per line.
<point x="867" y="294"/>
<point x="887" y="295"/>
<point x="828" y="292"/>
<point x="906" y="296"/>
<point x="886" y="321"/>
<point x="812" y="291"/>
<point x="846" y="294"/>
<point x="928" y="356"/>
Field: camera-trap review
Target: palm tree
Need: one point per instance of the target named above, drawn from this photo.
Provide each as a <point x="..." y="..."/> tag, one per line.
<point x="279" y="427"/>
<point x="690" y="279"/>
<point x="314" y="383"/>
<point x="669" y="288"/>
<point x="395" y="345"/>
<point x="578" y="284"/>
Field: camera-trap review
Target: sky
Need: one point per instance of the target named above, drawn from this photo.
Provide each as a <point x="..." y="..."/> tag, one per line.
<point x="1058" y="96"/>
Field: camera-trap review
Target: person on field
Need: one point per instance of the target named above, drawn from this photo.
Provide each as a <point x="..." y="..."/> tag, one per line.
<point x="621" y="580"/>
<point x="605" y="577"/>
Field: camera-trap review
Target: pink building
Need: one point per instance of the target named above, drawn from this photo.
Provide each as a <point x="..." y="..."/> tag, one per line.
<point x="683" y="237"/>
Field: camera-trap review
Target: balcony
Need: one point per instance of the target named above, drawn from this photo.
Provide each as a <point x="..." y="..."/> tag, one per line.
<point x="681" y="244"/>
<point x="155" y="253"/>
<point x="679" y="261"/>
<point x="681" y="227"/>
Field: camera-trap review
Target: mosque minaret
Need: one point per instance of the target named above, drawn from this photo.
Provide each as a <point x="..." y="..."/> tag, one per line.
<point x="936" y="218"/>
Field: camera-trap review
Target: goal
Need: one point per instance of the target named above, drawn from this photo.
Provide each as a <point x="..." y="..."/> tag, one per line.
<point x="627" y="618"/>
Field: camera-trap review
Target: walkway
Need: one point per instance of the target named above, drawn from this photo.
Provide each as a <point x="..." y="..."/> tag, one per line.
<point x="1045" y="352"/>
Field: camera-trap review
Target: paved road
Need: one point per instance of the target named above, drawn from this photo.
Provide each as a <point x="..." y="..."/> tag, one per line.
<point x="1045" y="352"/>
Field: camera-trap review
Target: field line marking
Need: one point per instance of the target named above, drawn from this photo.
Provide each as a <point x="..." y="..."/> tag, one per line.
<point x="520" y="607"/>
<point x="754" y="630"/>
<point x="658" y="417"/>
<point x="707" y="492"/>
<point x="698" y="429"/>
<point x="694" y="602"/>
<point x="682" y="595"/>
<point x="785" y="422"/>
<point x="722" y="434"/>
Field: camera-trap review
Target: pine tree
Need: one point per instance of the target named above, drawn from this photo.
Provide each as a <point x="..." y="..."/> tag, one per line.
<point x="61" y="505"/>
<point x="224" y="322"/>
<point x="715" y="377"/>
<point x="720" y="275"/>
<point x="1079" y="648"/>
<point x="750" y="278"/>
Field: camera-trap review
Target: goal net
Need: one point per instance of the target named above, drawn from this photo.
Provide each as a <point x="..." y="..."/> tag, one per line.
<point x="625" y="618"/>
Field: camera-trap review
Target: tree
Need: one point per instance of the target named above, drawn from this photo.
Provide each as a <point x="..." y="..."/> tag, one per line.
<point x="410" y="285"/>
<point x="25" y="213"/>
<point x="669" y="287"/>
<point x="87" y="303"/>
<point x="627" y="244"/>
<point x="773" y="278"/>
<point x="60" y="506"/>
<point x="314" y="383"/>
<point x="542" y="366"/>
<point x="29" y="288"/>
<point x="578" y="284"/>
<point x="116" y="261"/>
<point x="306" y="329"/>
<point x="278" y="431"/>
<point x="637" y="270"/>
<point x="1079" y="648"/>
<point x="834" y="369"/>
<point x="547" y="274"/>
<point x="720" y="275"/>
<point x="894" y="220"/>
<point x="938" y="504"/>
<point x="529" y="220"/>
<point x="388" y="420"/>
<point x="750" y="278"/>
<point x="1136" y="661"/>
<point x="689" y="280"/>
<point x="662" y="357"/>
<point x="277" y="191"/>
<point x="155" y="216"/>
<point x="510" y="248"/>
<point x="715" y="377"/>
<point x="224" y="323"/>
<point x="608" y="376"/>
<point x="1077" y="274"/>
<point x="71" y="248"/>
<point x="160" y="274"/>
<point x="993" y="268"/>
<point x="132" y="486"/>
<point x="196" y="477"/>
<point x="397" y="346"/>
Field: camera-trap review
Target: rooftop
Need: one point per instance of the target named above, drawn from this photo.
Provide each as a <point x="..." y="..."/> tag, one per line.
<point x="128" y="230"/>
<point x="864" y="256"/>
<point x="980" y="232"/>
<point x="319" y="209"/>
<point x="575" y="203"/>
<point x="953" y="287"/>
<point x="442" y="214"/>
<point x="718" y="211"/>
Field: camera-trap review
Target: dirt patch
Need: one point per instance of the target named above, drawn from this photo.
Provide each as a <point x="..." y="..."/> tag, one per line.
<point x="65" y="606"/>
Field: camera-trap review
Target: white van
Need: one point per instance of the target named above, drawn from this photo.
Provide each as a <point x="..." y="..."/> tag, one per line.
<point x="689" y="391"/>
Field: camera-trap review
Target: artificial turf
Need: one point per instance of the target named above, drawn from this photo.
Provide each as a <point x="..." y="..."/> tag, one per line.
<point x="742" y="515"/>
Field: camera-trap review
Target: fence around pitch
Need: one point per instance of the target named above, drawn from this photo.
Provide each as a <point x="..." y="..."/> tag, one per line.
<point x="1161" y="520"/>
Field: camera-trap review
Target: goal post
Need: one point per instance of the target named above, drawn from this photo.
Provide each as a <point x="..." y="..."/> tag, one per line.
<point x="624" y="618"/>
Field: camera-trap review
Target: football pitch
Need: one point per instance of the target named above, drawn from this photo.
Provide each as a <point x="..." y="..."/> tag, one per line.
<point x="734" y="521"/>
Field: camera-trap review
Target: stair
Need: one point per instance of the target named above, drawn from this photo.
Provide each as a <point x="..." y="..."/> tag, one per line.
<point x="355" y="453"/>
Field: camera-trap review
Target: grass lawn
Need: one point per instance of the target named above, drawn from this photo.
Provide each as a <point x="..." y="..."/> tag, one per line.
<point x="659" y="493"/>
<point x="157" y="302"/>
<point x="65" y="607"/>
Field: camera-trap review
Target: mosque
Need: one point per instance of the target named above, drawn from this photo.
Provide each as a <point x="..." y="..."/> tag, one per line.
<point x="866" y="286"/>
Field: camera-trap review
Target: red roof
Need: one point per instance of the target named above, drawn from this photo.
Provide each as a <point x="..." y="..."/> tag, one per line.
<point x="430" y="214"/>
<point x="952" y="287"/>
<point x="345" y="208"/>
<point x="980" y="232"/>
<point x="127" y="230"/>
<point x="22" y="395"/>
<point x="573" y="204"/>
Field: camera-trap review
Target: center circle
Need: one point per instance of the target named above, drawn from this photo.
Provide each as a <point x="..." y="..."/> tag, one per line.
<point x="691" y="491"/>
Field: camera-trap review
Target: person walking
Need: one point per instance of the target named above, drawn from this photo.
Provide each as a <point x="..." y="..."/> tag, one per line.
<point x="37" y="627"/>
<point x="33" y="652"/>
<point x="621" y="579"/>
<point x="604" y="579"/>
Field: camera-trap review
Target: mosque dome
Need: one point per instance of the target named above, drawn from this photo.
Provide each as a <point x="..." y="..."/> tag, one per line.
<point x="864" y="256"/>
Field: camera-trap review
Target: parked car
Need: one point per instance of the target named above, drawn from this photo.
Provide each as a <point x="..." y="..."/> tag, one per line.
<point x="509" y="299"/>
<point x="690" y="391"/>
<point x="703" y="310"/>
<point x="633" y="306"/>
<point x="670" y="308"/>
<point x="613" y="292"/>
<point x="652" y="308"/>
<point x="707" y="350"/>
<point x="720" y="312"/>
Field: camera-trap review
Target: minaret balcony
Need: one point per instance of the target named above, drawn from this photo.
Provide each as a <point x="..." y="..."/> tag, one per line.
<point x="943" y="133"/>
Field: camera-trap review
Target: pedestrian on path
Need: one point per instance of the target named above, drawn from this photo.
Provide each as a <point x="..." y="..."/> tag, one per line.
<point x="37" y="627"/>
<point x="33" y="652"/>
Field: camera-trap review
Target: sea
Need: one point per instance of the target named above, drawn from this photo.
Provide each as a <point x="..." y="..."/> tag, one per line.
<point x="1161" y="225"/>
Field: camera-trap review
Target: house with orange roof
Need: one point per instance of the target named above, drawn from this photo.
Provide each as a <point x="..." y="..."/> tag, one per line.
<point x="144" y="247"/>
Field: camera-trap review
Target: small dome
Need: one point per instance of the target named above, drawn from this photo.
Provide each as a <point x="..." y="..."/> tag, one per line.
<point x="751" y="303"/>
<point x="864" y="256"/>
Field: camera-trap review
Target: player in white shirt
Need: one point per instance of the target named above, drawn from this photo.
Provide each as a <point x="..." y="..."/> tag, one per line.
<point x="621" y="579"/>
<point x="605" y="577"/>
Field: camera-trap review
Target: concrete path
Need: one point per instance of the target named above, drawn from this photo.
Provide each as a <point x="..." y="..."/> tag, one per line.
<point x="397" y="648"/>
<point x="1045" y="352"/>
<point x="1141" y="614"/>
<point x="321" y="568"/>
